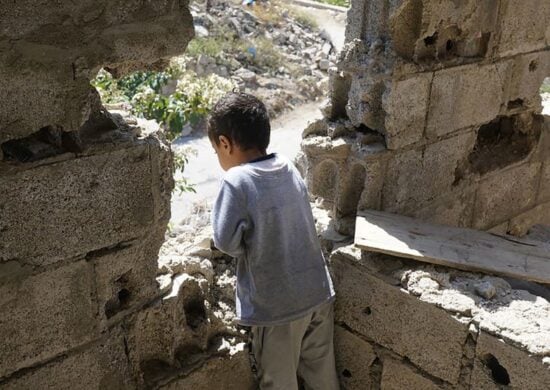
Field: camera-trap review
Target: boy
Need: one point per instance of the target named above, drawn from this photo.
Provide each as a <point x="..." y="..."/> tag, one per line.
<point x="263" y="218"/>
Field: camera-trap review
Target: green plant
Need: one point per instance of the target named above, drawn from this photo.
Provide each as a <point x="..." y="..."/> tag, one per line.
<point x="189" y="104"/>
<point x="182" y="184"/>
<point x="545" y="88"/>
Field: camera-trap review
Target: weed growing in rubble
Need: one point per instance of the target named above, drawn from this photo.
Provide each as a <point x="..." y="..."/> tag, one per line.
<point x="188" y="103"/>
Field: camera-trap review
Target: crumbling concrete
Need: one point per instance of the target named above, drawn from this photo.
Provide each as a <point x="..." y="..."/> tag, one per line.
<point x="85" y="202"/>
<point x="434" y="112"/>
<point x="434" y="327"/>
<point x="455" y="101"/>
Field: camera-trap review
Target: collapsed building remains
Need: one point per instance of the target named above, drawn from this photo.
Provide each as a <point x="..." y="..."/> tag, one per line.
<point x="434" y="113"/>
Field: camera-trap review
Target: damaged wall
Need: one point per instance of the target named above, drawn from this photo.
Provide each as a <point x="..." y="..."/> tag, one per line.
<point x="84" y="197"/>
<point x="435" y="113"/>
<point x="436" y="104"/>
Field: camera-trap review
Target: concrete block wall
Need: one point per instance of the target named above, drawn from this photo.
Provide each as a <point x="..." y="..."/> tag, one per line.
<point x="391" y="336"/>
<point x="84" y="207"/>
<point x="436" y="105"/>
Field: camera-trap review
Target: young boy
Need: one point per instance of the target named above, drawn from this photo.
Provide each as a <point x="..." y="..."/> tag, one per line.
<point x="263" y="218"/>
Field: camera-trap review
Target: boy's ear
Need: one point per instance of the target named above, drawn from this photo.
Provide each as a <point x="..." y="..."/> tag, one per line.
<point x="225" y="143"/>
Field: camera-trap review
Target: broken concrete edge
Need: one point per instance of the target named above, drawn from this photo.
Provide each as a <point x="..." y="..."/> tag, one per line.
<point x="359" y="260"/>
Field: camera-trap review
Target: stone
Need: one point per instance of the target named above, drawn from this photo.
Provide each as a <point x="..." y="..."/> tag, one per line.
<point x="498" y="364"/>
<point x="324" y="64"/>
<point x="451" y="104"/>
<point x="91" y="202"/>
<point x="44" y="314"/>
<point x="246" y="75"/>
<point x="520" y="225"/>
<point x="103" y="365"/>
<point x="505" y="195"/>
<point x="396" y="376"/>
<point x="382" y="313"/>
<point x="354" y="358"/>
<point x="405" y="104"/>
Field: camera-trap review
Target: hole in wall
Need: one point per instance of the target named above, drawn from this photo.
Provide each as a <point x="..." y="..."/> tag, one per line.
<point x="346" y="373"/>
<point x="431" y="40"/>
<point x="515" y="104"/>
<point x="504" y="141"/>
<point x="498" y="372"/>
<point x="533" y="65"/>
<point x="367" y="311"/>
<point x="122" y="297"/>
<point x="195" y="313"/>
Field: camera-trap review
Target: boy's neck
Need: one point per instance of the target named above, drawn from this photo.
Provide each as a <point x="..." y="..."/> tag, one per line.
<point x="249" y="155"/>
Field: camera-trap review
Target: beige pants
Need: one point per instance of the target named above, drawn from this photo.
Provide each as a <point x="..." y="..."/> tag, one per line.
<point x="301" y="348"/>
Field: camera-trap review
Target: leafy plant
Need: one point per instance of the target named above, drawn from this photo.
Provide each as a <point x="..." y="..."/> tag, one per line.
<point x="182" y="184"/>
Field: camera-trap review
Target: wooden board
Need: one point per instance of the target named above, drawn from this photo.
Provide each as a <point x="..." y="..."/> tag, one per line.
<point x="465" y="249"/>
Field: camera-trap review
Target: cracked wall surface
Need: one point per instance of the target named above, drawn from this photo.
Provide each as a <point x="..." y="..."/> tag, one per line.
<point x="434" y="112"/>
<point x="84" y="196"/>
<point x="436" y="104"/>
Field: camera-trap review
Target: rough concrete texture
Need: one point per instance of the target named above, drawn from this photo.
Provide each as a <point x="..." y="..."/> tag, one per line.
<point x="102" y="365"/>
<point x="228" y="373"/>
<point x="418" y="326"/>
<point x="50" y="51"/>
<point x="84" y="195"/>
<point x="384" y="314"/>
<point x="454" y="100"/>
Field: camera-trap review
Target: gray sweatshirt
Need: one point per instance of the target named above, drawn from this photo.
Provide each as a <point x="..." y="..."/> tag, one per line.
<point x="262" y="216"/>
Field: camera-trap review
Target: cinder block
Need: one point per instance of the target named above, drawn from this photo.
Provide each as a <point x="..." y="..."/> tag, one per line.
<point x="416" y="177"/>
<point x="540" y="214"/>
<point x="406" y="104"/>
<point x="463" y="96"/>
<point x="125" y="276"/>
<point x="229" y="373"/>
<point x="76" y="206"/>
<point x="44" y="315"/>
<point x="498" y="364"/>
<point x="525" y="76"/>
<point x="523" y="26"/>
<point x="354" y="358"/>
<point x="504" y="195"/>
<point x="452" y="209"/>
<point x="371" y="197"/>
<point x="430" y="337"/>
<point x="398" y="376"/>
<point x="101" y="366"/>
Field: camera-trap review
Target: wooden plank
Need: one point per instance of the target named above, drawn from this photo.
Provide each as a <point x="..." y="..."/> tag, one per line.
<point x="465" y="249"/>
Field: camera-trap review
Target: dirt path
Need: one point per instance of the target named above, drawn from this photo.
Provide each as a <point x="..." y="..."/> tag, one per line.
<point x="203" y="169"/>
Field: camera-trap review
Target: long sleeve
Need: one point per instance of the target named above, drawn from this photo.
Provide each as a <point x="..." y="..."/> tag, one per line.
<point x="229" y="220"/>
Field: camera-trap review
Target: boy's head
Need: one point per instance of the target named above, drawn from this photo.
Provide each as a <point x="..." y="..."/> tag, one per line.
<point x="238" y="128"/>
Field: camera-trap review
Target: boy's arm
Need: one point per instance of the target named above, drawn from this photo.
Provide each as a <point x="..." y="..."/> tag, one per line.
<point x="229" y="221"/>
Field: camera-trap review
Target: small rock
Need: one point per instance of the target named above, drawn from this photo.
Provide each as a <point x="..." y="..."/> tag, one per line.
<point x="324" y="64"/>
<point x="201" y="31"/>
<point x="205" y="60"/>
<point x="327" y="47"/>
<point x="246" y="75"/>
<point x="485" y="290"/>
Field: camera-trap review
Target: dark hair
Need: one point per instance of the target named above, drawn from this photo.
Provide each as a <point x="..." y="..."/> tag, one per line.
<point x="243" y="119"/>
